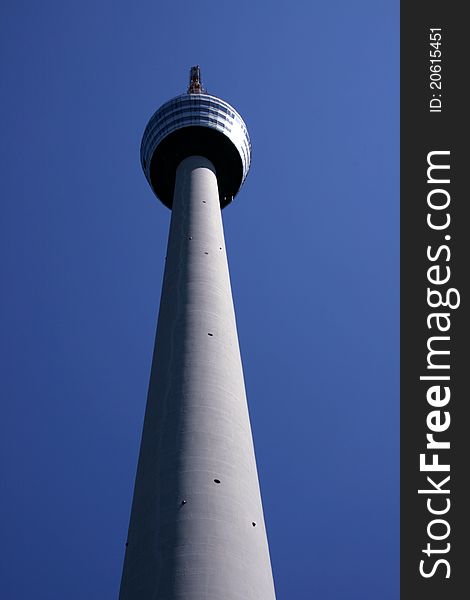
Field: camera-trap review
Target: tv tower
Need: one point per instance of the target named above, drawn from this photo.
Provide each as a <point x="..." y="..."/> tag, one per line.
<point x="196" y="529"/>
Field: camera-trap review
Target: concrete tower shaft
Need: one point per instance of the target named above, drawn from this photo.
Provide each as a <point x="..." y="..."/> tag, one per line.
<point x="197" y="529"/>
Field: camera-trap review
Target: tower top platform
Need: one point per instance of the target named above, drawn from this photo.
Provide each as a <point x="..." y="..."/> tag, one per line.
<point x="195" y="124"/>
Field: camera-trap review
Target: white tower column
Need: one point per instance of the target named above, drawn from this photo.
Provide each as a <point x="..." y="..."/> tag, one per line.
<point x="197" y="529"/>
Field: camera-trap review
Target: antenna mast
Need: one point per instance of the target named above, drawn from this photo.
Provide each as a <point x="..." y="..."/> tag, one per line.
<point x="195" y="83"/>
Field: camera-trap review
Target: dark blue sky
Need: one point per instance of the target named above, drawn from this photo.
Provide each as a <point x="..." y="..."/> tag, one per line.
<point x="313" y="248"/>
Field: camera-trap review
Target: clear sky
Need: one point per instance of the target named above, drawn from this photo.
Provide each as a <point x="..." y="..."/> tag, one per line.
<point x="312" y="240"/>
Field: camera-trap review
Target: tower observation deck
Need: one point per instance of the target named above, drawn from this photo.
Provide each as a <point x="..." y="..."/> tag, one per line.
<point x="196" y="529"/>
